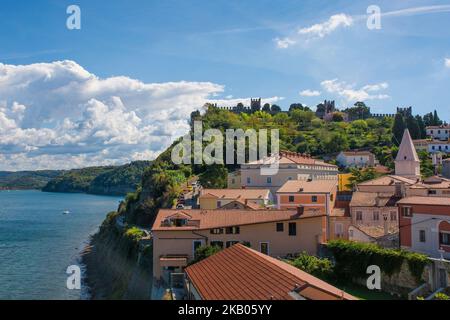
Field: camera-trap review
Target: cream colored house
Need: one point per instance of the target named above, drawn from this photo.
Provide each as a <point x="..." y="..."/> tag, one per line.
<point x="278" y="233"/>
<point x="358" y="159"/>
<point x="289" y="166"/>
<point x="211" y="199"/>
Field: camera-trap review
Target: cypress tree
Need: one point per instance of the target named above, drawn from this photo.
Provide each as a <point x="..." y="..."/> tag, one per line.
<point x="398" y="129"/>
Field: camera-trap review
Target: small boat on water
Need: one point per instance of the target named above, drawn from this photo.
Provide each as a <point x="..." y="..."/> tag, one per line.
<point x="66" y="212"/>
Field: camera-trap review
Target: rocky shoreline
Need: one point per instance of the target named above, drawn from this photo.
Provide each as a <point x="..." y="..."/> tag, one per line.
<point x="114" y="269"/>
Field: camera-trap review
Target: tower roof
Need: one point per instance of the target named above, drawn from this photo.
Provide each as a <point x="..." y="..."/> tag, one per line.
<point x="407" y="151"/>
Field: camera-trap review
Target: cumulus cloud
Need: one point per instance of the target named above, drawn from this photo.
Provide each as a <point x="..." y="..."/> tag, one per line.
<point x="310" y="93"/>
<point x="284" y="43"/>
<point x="352" y="94"/>
<point x="315" y="31"/>
<point x="320" y="30"/>
<point x="447" y="62"/>
<point x="59" y="115"/>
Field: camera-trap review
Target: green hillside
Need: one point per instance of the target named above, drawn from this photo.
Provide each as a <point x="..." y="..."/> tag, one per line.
<point x="27" y="179"/>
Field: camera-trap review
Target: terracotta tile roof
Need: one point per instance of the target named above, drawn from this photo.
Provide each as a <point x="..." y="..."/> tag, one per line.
<point x="209" y="219"/>
<point x="388" y="180"/>
<point x="319" y="186"/>
<point x="375" y="231"/>
<point x="340" y="212"/>
<point x="372" y="199"/>
<point x="236" y="193"/>
<point x="246" y="204"/>
<point x="435" y="182"/>
<point x="286" y="157"/>
<point x="439" y="127"/>
<point x="431" y="201"/>
<point x="241" y="273"/>
<point x="358" y="153"/>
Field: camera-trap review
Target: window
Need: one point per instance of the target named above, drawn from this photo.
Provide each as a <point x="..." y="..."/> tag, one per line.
<point x="264" y="247"/>
<point x="195" y="245"/>
<point x="217" y="244"/>
<point x="422" y="236"/>
<point x="359" y="215"/>
<point x="393" y="216"/>
<point x="376" y="216"/>
<point x="339" y="230"/>
<point x="406" y="212"/>
<point x="248" y="180"/>
<point x="217" y="231"/>
<point x="219" y="204"/>
<point x="231" y="243"/>
<point x="280" y="227"/>
<point x="332" y="197"/>
<point x="314" y="198"/>
<point x="269" y="180"/>
<point x="232" y="230"/>
<point x="289" y="178"/>
<point x="291" y="198"/>
<point x="233" y="181"/>
<point x="444" y="238"/>
<point x="292" y="229"/>
<point x="432" y="192"/>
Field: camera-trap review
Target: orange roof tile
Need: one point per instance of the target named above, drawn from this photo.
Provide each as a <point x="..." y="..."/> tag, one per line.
<point x="209" y="219"/>
<point x="314" y="186"/>
<point x="431" y="201"/>
<point x="241" y="273"/>
<point x="236" y="193"/>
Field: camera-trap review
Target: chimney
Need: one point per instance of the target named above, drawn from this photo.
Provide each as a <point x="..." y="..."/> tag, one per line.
<point x="300" y="210"/>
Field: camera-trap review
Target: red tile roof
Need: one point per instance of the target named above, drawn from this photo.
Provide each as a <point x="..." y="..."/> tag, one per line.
<point x="431" y="201"/>
<point x="241" y="273"/>
<point x="235" y="193"/>
<point x="314" y="186"/>
<point x="209" y="219"/>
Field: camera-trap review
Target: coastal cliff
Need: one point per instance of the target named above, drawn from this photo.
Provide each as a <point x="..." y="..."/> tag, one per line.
<point x="118" y="263"/>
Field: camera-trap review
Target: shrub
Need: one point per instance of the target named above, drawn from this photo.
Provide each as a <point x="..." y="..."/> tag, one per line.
<point x="135" y="234"/>
<point x="441" y="296"/>
<point x="204" y="252"/>
<point x="352" y="259"/>
<point x="321" y="268"/>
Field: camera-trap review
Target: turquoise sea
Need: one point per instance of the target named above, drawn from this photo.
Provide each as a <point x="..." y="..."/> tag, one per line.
<point x="38" y="242"/>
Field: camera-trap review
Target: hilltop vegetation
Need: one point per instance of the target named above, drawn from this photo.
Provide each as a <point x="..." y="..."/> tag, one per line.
<point x="27" y="179"/>
<point x="108" y="180"/>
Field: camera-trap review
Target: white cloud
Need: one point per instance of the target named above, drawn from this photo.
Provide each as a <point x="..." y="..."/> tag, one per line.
<point x="59" y="115"/>
<point x="320" y="30"/>
<point x="351" y="94"/>
<point x="284" y="43"/>
<point x="310" y="93"/>
<point x="447" y="62"/>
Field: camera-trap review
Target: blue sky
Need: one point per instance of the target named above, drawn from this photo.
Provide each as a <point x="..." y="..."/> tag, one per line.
<point x="237" y="45"/>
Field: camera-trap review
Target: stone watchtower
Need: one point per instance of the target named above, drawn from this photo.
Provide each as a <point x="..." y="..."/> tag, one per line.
<point x="255" y="104"/>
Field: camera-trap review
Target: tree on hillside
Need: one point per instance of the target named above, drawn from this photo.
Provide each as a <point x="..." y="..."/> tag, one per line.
<point x="436" y="120"/>
<point x="360" y="175"/>
<point x="302" y="118"/>
<point x="413" y="127"/>
<point x="298" y="106"/>
<point x="358" y="111"/>
<point x="337" y="117"/>
<point x="266" y="108"/>
<point x="422" y="128"/>
<point x="215" y="176"/>
<point x="275" y="109"/>
<point x="398" y="129"/>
